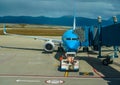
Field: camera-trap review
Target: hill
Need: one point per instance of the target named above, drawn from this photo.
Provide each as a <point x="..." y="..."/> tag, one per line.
<point x="61" y="21"/>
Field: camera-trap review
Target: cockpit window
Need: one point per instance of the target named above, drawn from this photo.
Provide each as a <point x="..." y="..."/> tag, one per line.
<point x="74" y="38"/>
<point x="71" y="39"/>
<point x="68" y="38"/>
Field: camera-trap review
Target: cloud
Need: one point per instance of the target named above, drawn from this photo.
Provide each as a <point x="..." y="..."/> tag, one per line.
<point x="57" y="8"/>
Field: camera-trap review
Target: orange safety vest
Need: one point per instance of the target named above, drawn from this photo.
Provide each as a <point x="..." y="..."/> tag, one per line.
<point x="60" y="58"/>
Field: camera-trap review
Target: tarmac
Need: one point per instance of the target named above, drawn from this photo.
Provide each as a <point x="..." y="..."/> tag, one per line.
<point x="23" y="62"/>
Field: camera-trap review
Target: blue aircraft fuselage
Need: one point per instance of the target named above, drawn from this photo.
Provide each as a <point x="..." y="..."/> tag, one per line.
<point x="71" y="42"/>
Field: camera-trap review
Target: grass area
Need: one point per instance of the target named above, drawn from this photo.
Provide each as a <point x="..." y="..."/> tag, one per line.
<point x="36" y="30"/>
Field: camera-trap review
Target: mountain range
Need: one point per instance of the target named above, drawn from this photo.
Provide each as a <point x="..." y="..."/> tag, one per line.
<point x="61" y="21"/>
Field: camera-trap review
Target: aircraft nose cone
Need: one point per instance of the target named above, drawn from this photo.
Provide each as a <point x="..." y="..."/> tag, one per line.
<point x="71" y="46"/>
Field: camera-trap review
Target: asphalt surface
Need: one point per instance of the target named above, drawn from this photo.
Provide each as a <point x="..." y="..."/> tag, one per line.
<point x="23" y="62"/>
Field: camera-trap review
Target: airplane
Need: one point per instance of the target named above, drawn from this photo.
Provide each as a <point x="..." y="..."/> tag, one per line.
<point x="70" y="44"/>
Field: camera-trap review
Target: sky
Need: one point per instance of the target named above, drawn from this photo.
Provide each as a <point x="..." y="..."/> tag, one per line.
<point x="58" y="8"/>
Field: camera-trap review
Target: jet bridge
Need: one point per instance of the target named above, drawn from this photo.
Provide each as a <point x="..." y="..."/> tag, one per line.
<point x="98" y="36"/>
<point x="83" y="32"/>
<point x="111" y="35"/>
<point x="107" y="36"/>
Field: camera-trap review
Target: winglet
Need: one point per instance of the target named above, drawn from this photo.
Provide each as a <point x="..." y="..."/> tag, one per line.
<point x="4" y="29"/>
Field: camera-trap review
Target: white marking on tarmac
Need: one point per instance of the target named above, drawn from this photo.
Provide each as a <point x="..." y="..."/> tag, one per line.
<point x="54" y="81"/>
<point x="28" y="81"/>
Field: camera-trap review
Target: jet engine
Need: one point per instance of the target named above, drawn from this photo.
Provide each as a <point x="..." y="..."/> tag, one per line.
<point x="49" y="46"/>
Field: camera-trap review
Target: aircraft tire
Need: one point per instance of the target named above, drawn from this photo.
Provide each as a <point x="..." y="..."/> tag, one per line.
<point x="106" y="62"/>
<point x="85" y="49"/>
<point x="95" y="48"/>
<point x="111" y="62"/>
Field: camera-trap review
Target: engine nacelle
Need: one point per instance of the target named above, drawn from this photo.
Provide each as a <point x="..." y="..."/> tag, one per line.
<point x="49" y="46"/>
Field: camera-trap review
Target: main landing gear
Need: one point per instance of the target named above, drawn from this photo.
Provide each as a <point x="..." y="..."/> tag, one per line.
<point x="85" y="49"/>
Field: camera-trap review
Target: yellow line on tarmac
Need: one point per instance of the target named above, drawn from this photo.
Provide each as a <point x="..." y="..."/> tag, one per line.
<point x="66" y="74"/>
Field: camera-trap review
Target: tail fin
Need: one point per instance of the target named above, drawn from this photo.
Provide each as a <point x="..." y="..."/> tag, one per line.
<point x="4" y="29"/>
<point x="74" y="23"/>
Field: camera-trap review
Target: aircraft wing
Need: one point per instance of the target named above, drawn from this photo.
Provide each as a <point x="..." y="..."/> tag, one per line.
<point x="34" y="37"/>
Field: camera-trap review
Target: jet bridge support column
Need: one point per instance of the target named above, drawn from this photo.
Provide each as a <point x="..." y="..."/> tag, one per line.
<point x="115" y="47"/>
<point x="109" y="59"/>
<point x="99" y="29"/>
<point x="115" y="51"/>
